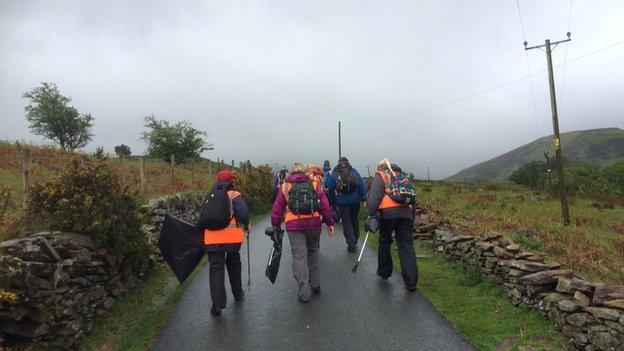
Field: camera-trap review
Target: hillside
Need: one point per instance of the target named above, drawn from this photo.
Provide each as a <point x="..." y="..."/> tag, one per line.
<point x="595" y="146"/>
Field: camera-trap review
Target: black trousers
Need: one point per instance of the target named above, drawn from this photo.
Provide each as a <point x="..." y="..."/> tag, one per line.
<point x="219" y="261"/>
<point x="404" y="232"/>
<point x="350" y="223"/>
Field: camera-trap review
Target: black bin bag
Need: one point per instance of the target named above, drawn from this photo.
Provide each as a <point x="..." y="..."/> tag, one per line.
<point x="275" y="255"/>
<point x="181" y="245"/>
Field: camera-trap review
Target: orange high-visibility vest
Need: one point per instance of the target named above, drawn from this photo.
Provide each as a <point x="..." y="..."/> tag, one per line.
<point x="232" y="234"/>
<point x="387" y="201"/>
<point x="289" y="216"/>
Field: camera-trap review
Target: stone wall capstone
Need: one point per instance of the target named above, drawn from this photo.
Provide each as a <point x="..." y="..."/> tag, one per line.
<point x="590" y="315"/>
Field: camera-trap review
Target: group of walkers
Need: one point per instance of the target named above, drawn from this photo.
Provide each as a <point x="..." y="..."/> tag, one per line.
<point x="304" y="198"/>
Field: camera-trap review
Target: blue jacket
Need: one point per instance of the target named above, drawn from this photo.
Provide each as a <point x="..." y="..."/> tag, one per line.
<point x="346" y="198"/>
<point x="331" y="195"/>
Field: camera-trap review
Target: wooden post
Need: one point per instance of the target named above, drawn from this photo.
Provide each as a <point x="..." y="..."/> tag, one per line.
<point x="232" y="163"/>
<point x="26" y="162"/>
<point x="142" y="175"/>
<point x="172" y="162"/>
<point x="192" y="173"/>
<point x="122" y="173"/>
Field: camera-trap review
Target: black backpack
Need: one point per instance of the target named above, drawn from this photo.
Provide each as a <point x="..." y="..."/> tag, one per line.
<point x="302" y="199"/>
<point x="346" y="179"/>
<point x="216" y="212"/>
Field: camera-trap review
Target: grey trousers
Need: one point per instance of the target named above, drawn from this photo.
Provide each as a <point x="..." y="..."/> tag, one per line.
<point x="306" y="261"/>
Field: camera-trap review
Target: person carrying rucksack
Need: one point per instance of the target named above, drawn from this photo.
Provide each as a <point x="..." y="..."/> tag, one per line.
<point x="390" y="209"/>
<point x="224" y="217"/>
<point x="279" y="179"/>
<point x="348" y="187"/>
<point x="303" y="206"/>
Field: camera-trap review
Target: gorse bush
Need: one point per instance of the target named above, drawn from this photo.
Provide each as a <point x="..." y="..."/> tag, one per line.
<point x="256" y="184"/>
<point x="6" y="203"/>
<point x="87" y="198"/>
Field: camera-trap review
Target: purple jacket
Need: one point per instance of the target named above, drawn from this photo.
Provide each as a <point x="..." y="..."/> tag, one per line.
<point x="279" y="209"/>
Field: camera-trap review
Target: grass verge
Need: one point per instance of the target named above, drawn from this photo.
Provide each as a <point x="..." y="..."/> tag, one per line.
<point x="477" y="308"/>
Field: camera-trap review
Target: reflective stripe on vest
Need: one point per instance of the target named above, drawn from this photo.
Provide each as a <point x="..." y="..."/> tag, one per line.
<point x="289" y="216"/>
<point x="232" y="234"/>
<point x="386" y="201"/>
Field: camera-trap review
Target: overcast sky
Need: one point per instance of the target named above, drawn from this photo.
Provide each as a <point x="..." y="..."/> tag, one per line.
<point x="268" y="80"/>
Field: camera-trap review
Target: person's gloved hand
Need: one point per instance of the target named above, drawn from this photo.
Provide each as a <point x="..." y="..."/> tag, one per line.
<point x="372" y="224"/>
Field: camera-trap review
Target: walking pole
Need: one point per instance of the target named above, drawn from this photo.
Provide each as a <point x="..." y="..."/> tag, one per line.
<point x="354" y="269"/>
<point x="248" y="264"/>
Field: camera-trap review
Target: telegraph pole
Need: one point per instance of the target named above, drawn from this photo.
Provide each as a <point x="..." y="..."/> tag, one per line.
<point x="428" y="178"/>
<point x="547" y="157"/>
<point x="555" y="119"/>
<point x="368" y="169"/>
<point x="339" y="139"/>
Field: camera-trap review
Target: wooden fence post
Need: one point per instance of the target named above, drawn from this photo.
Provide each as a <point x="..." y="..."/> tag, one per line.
<point x="172" y="162"/>
<point x="142" y="175"/>
<point x="122" y="171"/>
<point x="26" y="162"/>
<point x="192" y="173"/>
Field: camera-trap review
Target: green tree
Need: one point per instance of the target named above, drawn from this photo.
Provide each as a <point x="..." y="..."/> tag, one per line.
<point x="614" y="175"/>
<point x="50" y="116"/>
<point x="180" y="139"/>
<point x="123" y="150"/>
<point x="529" y="174"/>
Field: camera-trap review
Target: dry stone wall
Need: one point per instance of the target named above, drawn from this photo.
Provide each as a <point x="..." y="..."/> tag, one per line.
<point x="590" y="315"/>
<point x="54" y="285"/>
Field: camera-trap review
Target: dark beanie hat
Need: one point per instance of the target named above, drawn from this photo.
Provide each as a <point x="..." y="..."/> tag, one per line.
<point x="343" y="160"/>
<point x="326" y="166"/>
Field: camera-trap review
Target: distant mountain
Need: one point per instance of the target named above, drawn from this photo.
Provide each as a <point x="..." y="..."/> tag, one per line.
<point x="594" y="146"/>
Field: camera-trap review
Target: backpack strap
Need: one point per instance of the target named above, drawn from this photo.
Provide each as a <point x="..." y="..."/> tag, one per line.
<point x="387" y="178"/>
<point x="232" y="194"/>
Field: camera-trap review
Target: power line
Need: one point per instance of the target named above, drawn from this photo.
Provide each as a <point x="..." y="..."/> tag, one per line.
<point x="485" y="91"/>
<point x="526" y="54"/>
<point x="565" y="57"/>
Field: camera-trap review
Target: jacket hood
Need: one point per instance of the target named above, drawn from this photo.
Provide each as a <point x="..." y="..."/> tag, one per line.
<point x="222" y="185"/>
<point x="297" y="178"/>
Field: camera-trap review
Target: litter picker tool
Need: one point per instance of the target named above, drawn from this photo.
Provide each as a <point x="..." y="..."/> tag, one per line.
<point x="248" y="264"/>
<point x="354" y="269"/>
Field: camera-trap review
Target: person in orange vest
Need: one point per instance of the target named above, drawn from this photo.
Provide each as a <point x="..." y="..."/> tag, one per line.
<point x="385" y="215"/>
<point x="223" y="245"/>
<point x="303" y="206"/>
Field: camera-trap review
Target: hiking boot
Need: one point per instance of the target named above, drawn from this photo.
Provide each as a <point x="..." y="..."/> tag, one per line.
<point x="304" y="299"/>
<point x="384" y="277"/>
<point x="240" y="296"/>
<point x="215" y="311"/>
<point x="411" y="288"/>
<point x="351" y="249"/>
<point x="316" y="291"/>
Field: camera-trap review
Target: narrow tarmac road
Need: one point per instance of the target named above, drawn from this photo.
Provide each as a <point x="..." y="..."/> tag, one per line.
<point x="353" y="312"/>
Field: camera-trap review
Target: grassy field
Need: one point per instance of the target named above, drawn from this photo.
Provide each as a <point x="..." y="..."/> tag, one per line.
<point x="479" y="309"/>
<point x="47" y="162"/>
<point x="592" y="245"/>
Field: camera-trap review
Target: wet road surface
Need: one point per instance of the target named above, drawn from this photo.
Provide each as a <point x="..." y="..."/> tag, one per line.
<point x="353" y="312"/>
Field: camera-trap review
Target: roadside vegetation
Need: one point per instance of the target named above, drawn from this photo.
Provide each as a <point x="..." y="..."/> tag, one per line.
<point x="477" y="308"/>
<point x="593" y="244"/>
